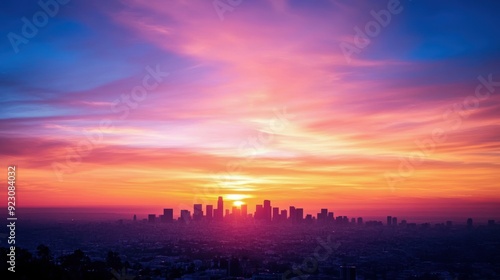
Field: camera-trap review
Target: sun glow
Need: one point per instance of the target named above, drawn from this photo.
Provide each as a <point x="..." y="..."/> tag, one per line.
<point x="235" y="196"/>
<point x="238" y="203"/>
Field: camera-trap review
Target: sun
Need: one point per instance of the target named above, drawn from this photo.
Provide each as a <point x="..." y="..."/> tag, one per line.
<point x="238" y="203"/>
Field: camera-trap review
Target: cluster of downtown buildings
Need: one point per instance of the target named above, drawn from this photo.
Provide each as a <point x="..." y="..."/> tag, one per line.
<point x="266" y="213"/>
<point x="263" y="212"/>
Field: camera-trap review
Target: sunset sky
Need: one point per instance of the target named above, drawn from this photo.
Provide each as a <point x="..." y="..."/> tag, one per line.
<point x="169" y="103"/>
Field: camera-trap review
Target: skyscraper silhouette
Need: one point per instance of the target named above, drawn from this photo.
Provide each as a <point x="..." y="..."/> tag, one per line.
<point x="259" y="212"/>
<point x="168" y="215"/>
<point x="276" y="214"/>
<point x="185" y="216"/>
<point x="151" y="218"/>
<point x="220" y="209"/>
<point x="197" y="212"/>
<point x="267" y="210"/>
<point x="292" y="213"/>
<point x="210" y="212"/>
<point x="330" y="217"/>
<point x="244" y="211"/>
<point x="323" y="215"/>
<point x="299" y="214"/>
<point x="338" y="220"/>
<point x="283" y="215"/>
<point x="236" y="213"/>
<point x="220" y="203"/>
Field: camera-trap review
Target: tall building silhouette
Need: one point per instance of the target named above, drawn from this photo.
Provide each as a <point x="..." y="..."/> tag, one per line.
<point x="210" y="212"/>
<point x="292" y="213"/>
<point x="220" y="209"/>
<point x="220" y="203"/>
<point x="338" y="220"/>
<point x="323" y="215"/>
<point x="259" y="212"/>
<point x="309" y="218"/>
<point x="168" y="215"/>
<point x="185" y="216"/>
<point x="389" y="220"/>
<point x="236" y="213"/>
<point x="299" y="214"/>
<point x="267" y="210"/>
<point x="151" y="218"/>
<point x="197" y="212"/>
<point x="244" y="211"/>
<point x="276" y="214"/>
<point x="330" y="217"/>
<point x="283" y="215"/>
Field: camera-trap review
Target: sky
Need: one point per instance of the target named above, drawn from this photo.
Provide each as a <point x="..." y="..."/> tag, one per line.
<point x="362" y="107"/>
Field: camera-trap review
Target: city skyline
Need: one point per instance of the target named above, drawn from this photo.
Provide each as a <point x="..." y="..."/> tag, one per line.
<point x="266" y="213"/>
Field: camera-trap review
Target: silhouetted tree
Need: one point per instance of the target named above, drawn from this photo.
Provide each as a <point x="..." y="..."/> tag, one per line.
<point x="43" y="253"/>
<point x="113" y="261"/>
